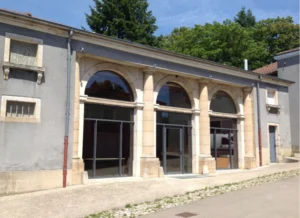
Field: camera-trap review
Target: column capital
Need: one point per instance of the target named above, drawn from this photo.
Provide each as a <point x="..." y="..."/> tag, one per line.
<point x="150" y="70"/>
<point x="204" y="81"/>
<point x="247" y="89"/>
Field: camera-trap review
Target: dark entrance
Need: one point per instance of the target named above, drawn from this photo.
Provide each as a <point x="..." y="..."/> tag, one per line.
<point x="224" y="147"/>
<point x="272" y="140"/>
<point x="107" y="141"/>
<point x="223" y="132"/>
<point x="174" y="147"/>
<point x="108" y="130"/>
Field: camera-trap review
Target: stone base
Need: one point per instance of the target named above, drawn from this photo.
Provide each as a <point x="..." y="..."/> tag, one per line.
<point x="296" y="149"/>
<point x="207" y="165"/>
<point x="250" y="163"/>
<point x="150" y="167"/>
<point x="77" y="171"/>
<point x="16" y="182"/>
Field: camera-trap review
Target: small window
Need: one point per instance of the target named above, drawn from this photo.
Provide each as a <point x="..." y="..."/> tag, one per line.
<point x="23" y="53"/>
<point x="20" y="109"/>
<point x="272" y="97"/>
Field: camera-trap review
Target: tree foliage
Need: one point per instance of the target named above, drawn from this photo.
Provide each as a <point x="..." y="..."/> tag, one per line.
<point x="245" y="18"/>
<point x="125" y="19"/>
<point x="231" y="42"/>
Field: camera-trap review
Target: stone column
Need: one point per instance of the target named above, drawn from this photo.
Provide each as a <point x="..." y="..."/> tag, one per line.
<point x="207" y="163"/>
<point x="77" y="162"/>
<point x="150" y="165"/>
<point x="249" y="129"/>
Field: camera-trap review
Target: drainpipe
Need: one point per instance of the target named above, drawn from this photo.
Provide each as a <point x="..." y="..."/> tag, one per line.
<point x="67" y="118"/>
<point x="258" y="121"/>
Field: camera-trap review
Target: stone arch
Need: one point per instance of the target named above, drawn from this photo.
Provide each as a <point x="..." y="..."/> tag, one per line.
<point x="229" y="91"/>
<point x="116" y="68"/>
<point x="175" y="79"/>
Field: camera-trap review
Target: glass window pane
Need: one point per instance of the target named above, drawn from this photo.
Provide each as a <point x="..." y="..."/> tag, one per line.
<point x="173" y="118"/>
<point x="222" y="103"/>
<point x="108" y="85"/>
<point x="271" y="97"/>
<point x="172" y="94"/>
<point x="96" y="111"/>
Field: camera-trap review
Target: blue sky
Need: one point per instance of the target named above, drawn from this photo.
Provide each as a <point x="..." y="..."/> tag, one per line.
<point x="169" y="13"/>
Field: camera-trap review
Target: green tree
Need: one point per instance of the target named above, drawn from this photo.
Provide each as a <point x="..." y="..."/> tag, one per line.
<point x="125" y="19"/>
<point x="279" y="34"/>
<point x="226" y="42"/>
<point x="245" y="18"/>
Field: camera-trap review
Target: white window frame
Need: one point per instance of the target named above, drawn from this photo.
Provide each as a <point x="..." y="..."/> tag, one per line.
<point x="7" y="65"/>
<point x="36" y="118"/>
<point x="275" y="96"/>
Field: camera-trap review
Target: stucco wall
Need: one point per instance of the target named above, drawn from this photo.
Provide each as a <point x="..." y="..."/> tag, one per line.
<point x="282" y="119"/>
<point x="289" y="69"/>
<point x="37" y="146"/>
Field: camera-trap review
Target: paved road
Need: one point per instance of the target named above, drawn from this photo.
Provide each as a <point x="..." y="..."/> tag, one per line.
<point x="278" y="199"/>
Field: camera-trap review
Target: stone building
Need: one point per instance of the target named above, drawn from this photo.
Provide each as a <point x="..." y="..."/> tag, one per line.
<point x="133" y="110"/>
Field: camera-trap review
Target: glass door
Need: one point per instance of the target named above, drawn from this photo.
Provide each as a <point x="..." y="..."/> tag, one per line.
<point x="173" y="150"/>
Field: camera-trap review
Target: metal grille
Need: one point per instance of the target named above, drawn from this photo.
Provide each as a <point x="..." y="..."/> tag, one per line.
<point x="20" y="109"/>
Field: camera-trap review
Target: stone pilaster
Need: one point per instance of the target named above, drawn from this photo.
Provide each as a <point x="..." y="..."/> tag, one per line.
<point x="250" y="161"/>
<point x="77" y="162"/>
<point x="207" y="163"/>
<point x="150" y="165"/>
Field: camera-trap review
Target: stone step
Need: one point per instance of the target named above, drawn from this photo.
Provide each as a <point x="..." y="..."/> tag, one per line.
<point x="297" y="155"/>
<point x="291" y="159"/>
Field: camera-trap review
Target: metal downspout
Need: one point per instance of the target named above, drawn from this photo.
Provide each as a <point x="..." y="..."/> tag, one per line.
<point x="67" y="115"/>
<point x="259" y="122"/>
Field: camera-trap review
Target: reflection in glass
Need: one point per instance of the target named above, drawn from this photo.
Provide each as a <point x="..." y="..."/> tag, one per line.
<point x="172" y="94"/>
<point x="173" y="150"/>
<point x="224" y="147"/>
<point x="108" y="85"/>
<point x="222" y="103"/>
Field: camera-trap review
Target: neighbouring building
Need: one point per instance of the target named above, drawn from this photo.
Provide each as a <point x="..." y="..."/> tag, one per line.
<point x="288" y="68"/>
<point x="134" y="110"/>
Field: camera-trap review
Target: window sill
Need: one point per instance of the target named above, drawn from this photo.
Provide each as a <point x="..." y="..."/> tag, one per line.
<point x="8" y="65"/>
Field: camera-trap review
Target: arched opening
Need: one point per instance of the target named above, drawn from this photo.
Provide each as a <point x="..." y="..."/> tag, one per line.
<point x="222" y="103"/>
<point x="173" y="131"/>
<point x="108" y="129"/>
<point x="173" y="95"/>
<point x="223" y="131"/>
<point x="107" y="84"/>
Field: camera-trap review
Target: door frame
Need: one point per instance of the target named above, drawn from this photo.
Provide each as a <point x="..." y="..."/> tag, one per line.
<point x="95" y="139"/>
<point x="277" y="141"/>
<point x="181" y="148"/>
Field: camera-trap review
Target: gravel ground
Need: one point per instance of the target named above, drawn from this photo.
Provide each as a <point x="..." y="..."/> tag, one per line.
<point x="137" y="210"/>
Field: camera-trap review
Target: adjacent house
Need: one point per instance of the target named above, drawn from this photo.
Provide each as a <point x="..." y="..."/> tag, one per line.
<point x="77" y="106"/>
<point x="288" y="68"/>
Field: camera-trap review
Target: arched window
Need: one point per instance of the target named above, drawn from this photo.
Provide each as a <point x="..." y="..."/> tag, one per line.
<point x="107" y="84"/>
<point x="172" y="94"/>
<point x="223" y="103"/>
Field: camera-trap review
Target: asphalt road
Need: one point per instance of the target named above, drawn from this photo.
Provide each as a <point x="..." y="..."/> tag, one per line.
<point x="274" y="200"/>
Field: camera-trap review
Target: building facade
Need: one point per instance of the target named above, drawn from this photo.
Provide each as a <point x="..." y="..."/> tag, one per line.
<point x="288" y="68"/>
<point x="134" y="110"/>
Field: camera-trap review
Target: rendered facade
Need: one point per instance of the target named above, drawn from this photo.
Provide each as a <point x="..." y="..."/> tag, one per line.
<point x="134" y="110"/>
<point x="288" y="68"/>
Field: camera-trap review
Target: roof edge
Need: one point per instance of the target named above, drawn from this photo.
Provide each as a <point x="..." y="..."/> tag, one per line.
<point x="66" y="28"/>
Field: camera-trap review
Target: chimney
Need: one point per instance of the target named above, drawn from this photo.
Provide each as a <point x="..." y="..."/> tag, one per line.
<point x="245" y="64"/>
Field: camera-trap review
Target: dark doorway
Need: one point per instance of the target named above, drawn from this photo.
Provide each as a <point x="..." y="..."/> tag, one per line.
<point x="224" y="146"/>
<point x="174" y="147"/>
<point x="272" y="141"/>
<point x="107" y="140"/>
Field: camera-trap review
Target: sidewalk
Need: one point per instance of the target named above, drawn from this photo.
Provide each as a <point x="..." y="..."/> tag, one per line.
<point x="79" y="201"/>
